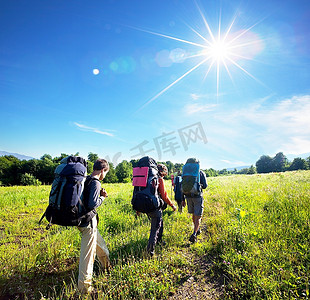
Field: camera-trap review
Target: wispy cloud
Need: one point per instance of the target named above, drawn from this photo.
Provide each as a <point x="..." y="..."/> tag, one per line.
<point x="281" y="126"/>
<point x="195" y="96"/>
<point x="206" y="97"/>
<point x="287" y="124"/>
<point x="197" y="107"/>
<point x="200" y="104"/>
<point x="234" y="163"/>
<point x="297" y="145"/>
<point x="92" y="129"/>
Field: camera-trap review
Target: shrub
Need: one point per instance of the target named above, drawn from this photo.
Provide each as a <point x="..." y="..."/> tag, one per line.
<point x="29" y="179"/>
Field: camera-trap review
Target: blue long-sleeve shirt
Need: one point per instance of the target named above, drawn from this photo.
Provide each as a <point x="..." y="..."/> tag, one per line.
<point x="91" y="196"/>
<point x="94" y="199"/>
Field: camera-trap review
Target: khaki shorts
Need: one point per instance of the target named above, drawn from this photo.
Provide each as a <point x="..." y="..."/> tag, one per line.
<point x="195" y="206"/>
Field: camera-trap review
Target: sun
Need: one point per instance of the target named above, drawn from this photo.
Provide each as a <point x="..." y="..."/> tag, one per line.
<point x="219" y="49"/>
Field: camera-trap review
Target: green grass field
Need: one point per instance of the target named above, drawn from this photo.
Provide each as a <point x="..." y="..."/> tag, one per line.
<point x="255" y="234"/>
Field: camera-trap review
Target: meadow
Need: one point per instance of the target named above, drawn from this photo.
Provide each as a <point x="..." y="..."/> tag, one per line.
<point x="254" y="243"/>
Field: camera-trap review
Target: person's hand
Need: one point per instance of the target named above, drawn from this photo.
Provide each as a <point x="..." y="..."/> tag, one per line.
<point x="183" y="203"/>
<point x="174" y="207"/>
<point x="103" y="193"/>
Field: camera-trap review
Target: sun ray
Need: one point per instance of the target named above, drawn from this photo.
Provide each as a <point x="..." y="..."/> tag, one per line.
<point x="217" y="78"/>
<point x="205" y="22"/>
<point x="246" y="72"/>
<point x="219" y="30"/>
<point x="241" y="56"/>
<point x="228" y="72"/>
<point x="173" y="83"/>
<point x="173" y="38"/>
<point x="206" y="40"/>
<point x="196" y="55"/>
<point x="229" y="29"/>
<point x="250" y="43"/>
<point x="244" y="32"/>
<point x="210" y="67"/>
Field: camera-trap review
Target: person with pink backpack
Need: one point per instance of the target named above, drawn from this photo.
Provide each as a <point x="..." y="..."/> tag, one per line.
<point x="150" y="196"/>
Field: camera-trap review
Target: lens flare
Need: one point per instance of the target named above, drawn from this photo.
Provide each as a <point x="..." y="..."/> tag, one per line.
<point x="96" y="71"/>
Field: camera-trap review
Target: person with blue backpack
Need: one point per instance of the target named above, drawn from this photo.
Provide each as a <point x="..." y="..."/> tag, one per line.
<point x="92" y="243"/>
<point x="73" y="201"/>
<point x="193" y="181"/>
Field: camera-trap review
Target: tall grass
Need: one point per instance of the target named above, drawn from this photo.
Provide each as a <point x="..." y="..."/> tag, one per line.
<point x="255" y="231"/>
<point x="263" y="238"/>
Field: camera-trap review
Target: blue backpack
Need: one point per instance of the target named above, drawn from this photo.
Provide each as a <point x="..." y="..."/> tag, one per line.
<point x="66" y="205"/>
<point x="191" y="178"/>
<point x="145" y="196"/>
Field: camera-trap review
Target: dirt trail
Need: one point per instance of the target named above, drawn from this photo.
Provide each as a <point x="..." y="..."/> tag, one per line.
<point x="199" y="285"/>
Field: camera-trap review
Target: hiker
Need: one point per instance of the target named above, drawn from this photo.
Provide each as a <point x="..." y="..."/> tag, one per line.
<point x="156" y="216"/>
<point x="193" y="181"/>
<point x="92" y="243"/>
<point x="73" y="201"/>
<point x="178" y="195"/>
<point x="149" y="196"/>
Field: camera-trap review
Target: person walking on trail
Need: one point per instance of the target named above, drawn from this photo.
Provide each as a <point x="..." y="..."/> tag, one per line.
<point x="178" y="195"/>
<point x="92" y="243"/>
<point x="193" y="181"/>
<point x="156" y="216"/>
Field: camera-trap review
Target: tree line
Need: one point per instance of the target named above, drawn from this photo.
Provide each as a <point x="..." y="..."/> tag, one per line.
<point x="280" y="163"/>
<point x="14" y="171"/>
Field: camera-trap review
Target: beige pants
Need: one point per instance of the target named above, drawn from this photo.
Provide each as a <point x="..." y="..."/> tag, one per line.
<point x="92" y="243"/>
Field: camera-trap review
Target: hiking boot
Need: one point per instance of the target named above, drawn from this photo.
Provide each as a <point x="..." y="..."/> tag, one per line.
<point x="193" y="238"/>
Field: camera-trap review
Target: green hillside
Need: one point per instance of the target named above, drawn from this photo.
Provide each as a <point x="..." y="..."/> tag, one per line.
<point x="254" y="244"/>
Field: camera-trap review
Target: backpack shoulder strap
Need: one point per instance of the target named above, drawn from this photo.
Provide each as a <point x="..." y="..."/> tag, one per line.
<point x="87" y="184"/>
<point x="89" y="180"/>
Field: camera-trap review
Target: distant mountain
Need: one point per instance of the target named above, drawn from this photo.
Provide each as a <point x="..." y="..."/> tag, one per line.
<point x="19" y="156"/>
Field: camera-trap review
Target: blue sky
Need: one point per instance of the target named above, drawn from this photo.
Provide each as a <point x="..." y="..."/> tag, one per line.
<point x="128" y="78"/>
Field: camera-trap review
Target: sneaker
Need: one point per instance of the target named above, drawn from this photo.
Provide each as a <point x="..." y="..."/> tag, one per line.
<point x="86" y="290"/>
<point x="193" y="238"/>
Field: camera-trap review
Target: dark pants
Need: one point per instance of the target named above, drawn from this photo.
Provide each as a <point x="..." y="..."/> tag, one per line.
<point x="156" y="233"/>
<point x="180" y="206"/>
